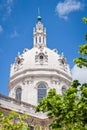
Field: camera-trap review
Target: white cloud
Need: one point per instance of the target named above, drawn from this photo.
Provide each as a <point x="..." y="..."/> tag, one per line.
<point x="14" y="34"/>
<point x="79" y="74"/>
<point x="68" y="6"/>
<point x="9" y="1"/>
<point x="9" y="6"/>
<point x="9" y="10"/>
<point x="1" y="29"/>
<point x="6" y="8"/>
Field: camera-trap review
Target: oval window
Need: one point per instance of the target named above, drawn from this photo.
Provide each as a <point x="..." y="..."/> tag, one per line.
<point x="41" y="57"/>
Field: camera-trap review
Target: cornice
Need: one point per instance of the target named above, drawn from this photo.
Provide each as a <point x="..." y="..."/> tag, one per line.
<point x="40" y="69"/>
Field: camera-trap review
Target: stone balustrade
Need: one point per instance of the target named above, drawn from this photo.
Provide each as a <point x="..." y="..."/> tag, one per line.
<point x="19" y="106"/>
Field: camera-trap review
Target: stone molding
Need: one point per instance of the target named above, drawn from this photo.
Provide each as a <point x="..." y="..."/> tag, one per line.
<point x="13" y="104"/>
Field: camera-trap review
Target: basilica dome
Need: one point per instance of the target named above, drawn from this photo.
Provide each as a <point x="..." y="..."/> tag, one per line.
<point x="37" y="70"/>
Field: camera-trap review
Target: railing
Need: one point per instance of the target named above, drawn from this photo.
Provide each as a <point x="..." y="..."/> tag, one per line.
<point x="19" y="106"/>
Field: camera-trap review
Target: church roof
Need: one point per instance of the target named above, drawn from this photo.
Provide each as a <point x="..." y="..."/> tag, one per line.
<point x="40" y="60"/>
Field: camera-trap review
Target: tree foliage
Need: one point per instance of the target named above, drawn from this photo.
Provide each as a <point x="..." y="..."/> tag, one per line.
<point x="82" y="61"/>
<point x="68" y="111"/>
<point x="13" y="121"/>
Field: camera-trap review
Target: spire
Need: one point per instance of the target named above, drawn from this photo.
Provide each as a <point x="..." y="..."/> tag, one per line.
<point x="39" y="32"/>
<point x="39" y="17"/>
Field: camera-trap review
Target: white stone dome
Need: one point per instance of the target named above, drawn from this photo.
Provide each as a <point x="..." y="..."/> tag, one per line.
<point x="36" y="68"/>
<point x="40" y="59"/>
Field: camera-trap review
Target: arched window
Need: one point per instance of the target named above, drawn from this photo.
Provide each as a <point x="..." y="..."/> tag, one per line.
<point x="43" y="39"/>
<point x="63" y="90"/>
<point x="18" y="93"/>
<point x="41" y="57"/>
<point x="39" y="39"/>
<point x="42" y="91"/>
<point x="36" y="39"/>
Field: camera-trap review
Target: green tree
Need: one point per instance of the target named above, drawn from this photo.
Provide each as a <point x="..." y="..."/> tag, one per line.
<point x="68" y="111"/>
<point x="13" y="121"/>
<point x="82" y="61"/>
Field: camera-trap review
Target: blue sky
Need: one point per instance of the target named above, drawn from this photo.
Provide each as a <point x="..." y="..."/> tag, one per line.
<point x="62" y="19"/>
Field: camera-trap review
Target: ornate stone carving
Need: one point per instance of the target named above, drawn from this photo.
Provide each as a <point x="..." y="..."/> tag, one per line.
<point x="27" y="81"/>
<point x="55" y="50"/>
<point x="18" y="62"/>
<point x="41" y="58"/>
<point x="25" y="50"/>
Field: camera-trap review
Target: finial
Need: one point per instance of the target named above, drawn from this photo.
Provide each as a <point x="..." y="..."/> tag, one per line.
<point x="39" y="17"/>
<point x="38" y="12"/>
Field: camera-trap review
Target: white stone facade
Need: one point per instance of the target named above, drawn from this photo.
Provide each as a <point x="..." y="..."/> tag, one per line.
<point x="38" y="65"/>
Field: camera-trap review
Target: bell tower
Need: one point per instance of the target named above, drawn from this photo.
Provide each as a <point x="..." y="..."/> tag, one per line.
<point x="39" y="33"/>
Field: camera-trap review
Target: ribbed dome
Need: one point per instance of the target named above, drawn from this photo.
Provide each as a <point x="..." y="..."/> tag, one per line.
<point x="37" y="70"/>
<point x="41" y="59"/>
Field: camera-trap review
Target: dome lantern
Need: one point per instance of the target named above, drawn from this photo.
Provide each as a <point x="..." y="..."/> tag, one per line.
<point x="39" y="33"/>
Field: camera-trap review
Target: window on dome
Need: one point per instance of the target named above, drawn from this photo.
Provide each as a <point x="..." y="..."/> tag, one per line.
<point x="19" y="61"/>
<point x="18" y="93"/>
<point x="63" y="90"/>
<point x="43" y="39"/>
<point x="41" y="57"/>
<point x="62" y="61"/>
<point x="36" y="39"/>
<point x="42" y="91"/>
<point x="39" y="39"/>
